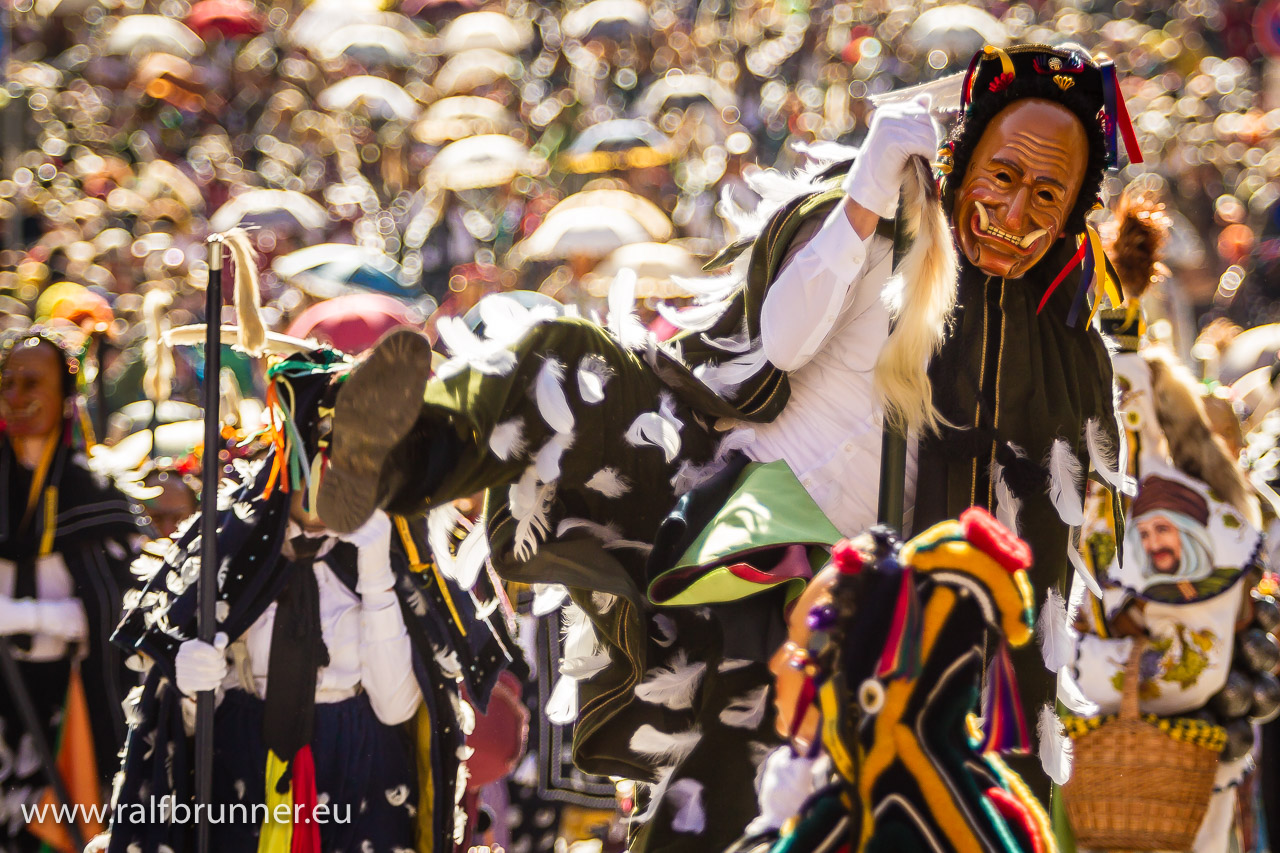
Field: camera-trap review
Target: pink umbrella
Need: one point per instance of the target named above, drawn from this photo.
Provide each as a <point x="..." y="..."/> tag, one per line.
<point x="232" y="18"/>
<point x="355" y="322"/>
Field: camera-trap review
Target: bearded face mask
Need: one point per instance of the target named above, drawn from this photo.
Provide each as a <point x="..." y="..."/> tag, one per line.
<point x="1020" y="186"/>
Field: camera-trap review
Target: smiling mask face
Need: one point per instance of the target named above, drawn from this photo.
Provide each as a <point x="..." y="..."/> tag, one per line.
<point x="1020" y="186"/>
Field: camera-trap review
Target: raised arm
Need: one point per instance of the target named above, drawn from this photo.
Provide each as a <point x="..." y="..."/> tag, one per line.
<point x="825" y="263"/>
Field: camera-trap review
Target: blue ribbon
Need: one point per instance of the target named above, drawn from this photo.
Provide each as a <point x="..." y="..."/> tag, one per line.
<point x="1086" y="278"/>
<point x="1109" y="95"/>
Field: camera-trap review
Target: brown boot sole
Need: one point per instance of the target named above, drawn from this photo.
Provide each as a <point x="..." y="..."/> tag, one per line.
<point x="376" y="408"/>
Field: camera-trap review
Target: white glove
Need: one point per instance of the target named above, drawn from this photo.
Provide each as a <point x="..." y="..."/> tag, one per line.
<point x="373" y="539"/>
<point x="62" y="618"/>
<point x="200" y="666"/>
<point x="897" y="132"/>
<point x="786" y="782"/>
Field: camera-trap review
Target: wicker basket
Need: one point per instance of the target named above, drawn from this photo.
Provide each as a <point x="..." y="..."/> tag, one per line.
<point x="1132" y="786"/>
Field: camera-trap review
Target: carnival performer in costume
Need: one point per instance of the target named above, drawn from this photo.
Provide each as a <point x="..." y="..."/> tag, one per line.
<point x="1183" y="590"/>
<point x="876" y="687"/>
<point x="587" y="436"/>
<point x="67" y="536"/>
<point x="339" y="691"/>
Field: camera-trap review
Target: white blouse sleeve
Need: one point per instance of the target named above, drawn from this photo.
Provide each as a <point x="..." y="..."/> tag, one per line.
<point x="386" y="657"/>
<point x="806" y="299"/>
<point x="386" y="663"/>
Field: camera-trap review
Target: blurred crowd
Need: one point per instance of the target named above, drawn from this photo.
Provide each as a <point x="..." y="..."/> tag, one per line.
<point x="437" y="150"/>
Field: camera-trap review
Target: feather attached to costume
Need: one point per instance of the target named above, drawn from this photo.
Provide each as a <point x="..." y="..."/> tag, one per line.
<point x="1109" y="464"/>
<point x="1056" y="643"/>
<point x="548" y="392"/>
<point x="1055" y="746"/>
<point x="672" y="685"/>
<point x="1065" y="483"/>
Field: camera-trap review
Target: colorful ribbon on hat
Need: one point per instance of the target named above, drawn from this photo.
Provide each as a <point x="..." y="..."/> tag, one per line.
<point x="901" y="655"/>
<point x="1117" y="119"/>
<point x="1004" y="725"/>
<point x="1093" y="276"/>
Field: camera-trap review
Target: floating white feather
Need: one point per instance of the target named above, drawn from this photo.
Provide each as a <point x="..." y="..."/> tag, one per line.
<point x="1057" y="646"/>
<point x="1055" y="746"/>
<point x="506" y="321"/>
<point x="1008" y="506"/>
<point x="1105" y="460"/>
<point x="739" y="343"/>
<point x="488" y="357"/>
<point x="593" y="375"/>
<point x="664" y="748"/>
<point x="1077" y="563"/>
<point x="695" y="318"/>
<point x="548" y="391"/>
<point x="728" y="375"/>
<point x="672" y="685"/>
<point x="608" y="482"/>
<point x="603" y="602"/>
<point x="747" y="712"/>
<point x="507" y="439"/>
<point x="686" y="797"/>
<point x="1065" y="480"/>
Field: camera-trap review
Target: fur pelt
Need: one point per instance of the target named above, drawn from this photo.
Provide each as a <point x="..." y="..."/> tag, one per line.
<point x="1193" y="446"/>
<point x="1141" y="229"/>
<point x="920" y="299"/>
<point x="253" y="331"/>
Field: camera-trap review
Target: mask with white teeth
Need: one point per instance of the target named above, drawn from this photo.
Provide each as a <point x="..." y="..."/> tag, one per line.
<point x="1020" y="187"/>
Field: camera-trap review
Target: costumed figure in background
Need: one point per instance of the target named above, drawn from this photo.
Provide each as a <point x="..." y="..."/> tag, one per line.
<point x="1182" y="589"/>
<point x="764" y="420"/>
<point x="338" y="665"/>
<point x="876" y="687"/>
<point x="67" y="537"/>
<point x="1181" y="574"/>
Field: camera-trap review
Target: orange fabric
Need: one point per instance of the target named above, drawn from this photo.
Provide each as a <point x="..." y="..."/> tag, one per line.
<point x="78" y="768"/>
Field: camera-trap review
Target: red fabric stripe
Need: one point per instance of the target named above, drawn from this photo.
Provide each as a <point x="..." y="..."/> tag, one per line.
<point x="1071" y="264"/>
<point x="1126" y="127"/>
<point x="306" y="832"/>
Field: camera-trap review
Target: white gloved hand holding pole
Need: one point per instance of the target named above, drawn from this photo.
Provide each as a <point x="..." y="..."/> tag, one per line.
<point x="200" y="666"/>
<point x="897" y="132"/>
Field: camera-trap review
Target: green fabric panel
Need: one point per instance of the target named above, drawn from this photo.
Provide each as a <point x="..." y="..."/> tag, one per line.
<point x="769" y="507"/>
<point x="720" y="585"/>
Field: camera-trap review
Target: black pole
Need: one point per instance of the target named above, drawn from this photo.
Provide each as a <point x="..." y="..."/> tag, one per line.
<point x="17" y="687"/>
<point x="893" y="477"/>
<point x="100" y="390"/>
<point x="208" y="588"/>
